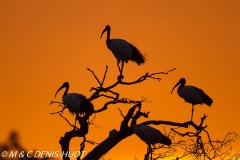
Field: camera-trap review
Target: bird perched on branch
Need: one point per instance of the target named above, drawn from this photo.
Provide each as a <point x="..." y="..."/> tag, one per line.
<point x="123" y="50"/>
<point x="192" y="94"/>
<point x="75" y="102"/>
<point x="149" y="134"/>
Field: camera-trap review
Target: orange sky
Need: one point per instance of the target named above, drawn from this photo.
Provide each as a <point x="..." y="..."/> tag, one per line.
<point x="45" y="43"/>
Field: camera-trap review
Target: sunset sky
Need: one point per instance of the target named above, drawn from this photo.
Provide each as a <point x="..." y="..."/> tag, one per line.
<point x="45" y="43"/>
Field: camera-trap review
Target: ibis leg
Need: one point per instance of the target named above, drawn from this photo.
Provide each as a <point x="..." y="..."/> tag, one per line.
<point x="192" y="112"/>
<point x="122" y="67"/>
<point x="118" y="66"/>
<point x="121" y="70"/>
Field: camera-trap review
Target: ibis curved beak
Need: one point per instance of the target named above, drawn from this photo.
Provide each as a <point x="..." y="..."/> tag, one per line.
<point x="65" y="85"/>
<point x="175" y="86"/>
<point x="103" y="32"/>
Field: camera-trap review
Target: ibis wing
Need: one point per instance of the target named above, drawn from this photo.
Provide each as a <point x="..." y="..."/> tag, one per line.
<point x="206" y="99"/>
<point x="190" y="94"/>
<point x="73" y="102"/>
<point x="121" y="49"/>
<point x="194" y="95"/>
<point x="148" y="134"/>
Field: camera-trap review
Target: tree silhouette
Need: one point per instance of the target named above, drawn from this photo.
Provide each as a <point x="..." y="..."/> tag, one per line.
<point x="194" y="142"/>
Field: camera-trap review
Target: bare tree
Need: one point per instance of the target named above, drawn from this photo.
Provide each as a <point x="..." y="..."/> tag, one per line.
<point x="196" y="144"/>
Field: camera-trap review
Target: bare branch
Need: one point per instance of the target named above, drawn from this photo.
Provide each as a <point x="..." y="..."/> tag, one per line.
<point x="119" y="81"/>
<point x="94" y="76"/>
<point x="195" y="143"/>
<point x="121" y="112"/>
<point x="68" y="121"/>
<point x="147" y="75"/>
<point x="55" y="102"/>
<point x="154" y="122"/>
<point x="104" y="76"/>
<point x="91" y="142"/>
<point x="59" y="111"/>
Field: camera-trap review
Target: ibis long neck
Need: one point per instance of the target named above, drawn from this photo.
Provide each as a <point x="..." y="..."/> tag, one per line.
<point x="66" y="91"/>
<point x="108" y="35"/>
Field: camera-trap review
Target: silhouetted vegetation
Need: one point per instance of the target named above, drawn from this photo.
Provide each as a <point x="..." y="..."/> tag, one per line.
<point x="13" y="149"/>
<point x="188" y="138"/>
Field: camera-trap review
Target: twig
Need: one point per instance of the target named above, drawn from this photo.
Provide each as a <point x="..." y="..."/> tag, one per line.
<point x="121" y="113"/>
<point x="119" y="81"/>
<point x="94" y="76"/>
<point x="82" y="146"/>
<point x="68" y="121"/>
<point x="59" y="111"/>
<point x="91" y="142"/>
<point x="104" y="76"/>
<point x="54" y="102"/>
<point x="147" y="75"/>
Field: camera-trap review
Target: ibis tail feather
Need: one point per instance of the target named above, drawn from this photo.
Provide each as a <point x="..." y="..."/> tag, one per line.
<point x="206" y="99"/>
<point x="137" y="56"/>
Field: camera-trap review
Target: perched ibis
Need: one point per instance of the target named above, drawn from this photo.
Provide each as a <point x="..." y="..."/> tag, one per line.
<point x="149" y="134"/>
<point x="123" y="50"/>
<point x="76" y="103"/>
<point x="192" y="94"/>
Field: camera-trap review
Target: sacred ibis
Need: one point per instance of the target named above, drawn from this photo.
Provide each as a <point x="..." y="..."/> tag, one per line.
<point x="76" y="103"/>
<point x="123" y="50"/>
<point x="192" y="94"/>
<point x="149" y="134"/>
